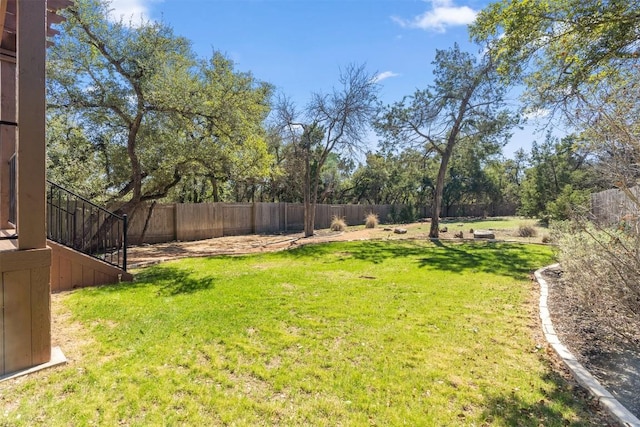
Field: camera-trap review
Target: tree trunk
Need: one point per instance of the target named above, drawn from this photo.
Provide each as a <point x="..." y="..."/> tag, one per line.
<point x="309" y="207"/>
<point x="437" y="197"/>
<point x="437" y="204"/>
<point x="311" y="219"/>
<point x="146" y="222"/>
<point x="214" y="187"/>
<point x="452" y="138"/>
<point x="309" y="197"/>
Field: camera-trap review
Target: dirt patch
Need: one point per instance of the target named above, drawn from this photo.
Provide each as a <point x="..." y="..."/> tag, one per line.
<point x="139" y="256"/>
<point x="71" y="336"/>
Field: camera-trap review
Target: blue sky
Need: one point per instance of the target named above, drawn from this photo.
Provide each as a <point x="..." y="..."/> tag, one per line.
<point x="300" y="45"/>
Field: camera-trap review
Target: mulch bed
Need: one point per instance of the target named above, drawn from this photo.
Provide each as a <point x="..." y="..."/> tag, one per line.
<point x="611" y="359"/>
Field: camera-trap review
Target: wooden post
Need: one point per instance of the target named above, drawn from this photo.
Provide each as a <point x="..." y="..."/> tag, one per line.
<point x="26" y="271"/>
<point x="254" y="214"/>
<point x="286" y="218"/>
<point x="31" y="49"/>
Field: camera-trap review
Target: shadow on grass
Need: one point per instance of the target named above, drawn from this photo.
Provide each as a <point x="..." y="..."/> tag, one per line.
<point x="506" y="259"/>
<point x="173" y="281"/>
<point x="512" y="260"/>
<point x="473" y="220"/>
<point x="576" y="408"/>
<point x="469" y="220"/>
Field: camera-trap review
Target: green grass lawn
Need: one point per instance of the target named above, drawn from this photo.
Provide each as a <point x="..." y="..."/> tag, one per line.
<point x="362" y="333"/>
<point x="507" y="228"/>
<point x="495" y="223"/>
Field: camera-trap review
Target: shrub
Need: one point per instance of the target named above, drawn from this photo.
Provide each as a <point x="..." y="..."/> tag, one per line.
<point x="527" y="231"/>
<point x="568" y="202"/>
<point x="602" y="269"/>
<point x="546" y="239"/>
<point x="407" y="214"/>
<point x="338" y="224"/>
<point x="392" y="216"/>
<point x="371" y="220"/>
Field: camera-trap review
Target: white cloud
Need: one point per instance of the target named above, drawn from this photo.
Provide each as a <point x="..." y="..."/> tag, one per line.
<point x="538" y="113"/>
<point x="443" y="14"/>
<point x="133" y="11"/>
<point x="296" y="128"/>
<point x="384" y="75"/>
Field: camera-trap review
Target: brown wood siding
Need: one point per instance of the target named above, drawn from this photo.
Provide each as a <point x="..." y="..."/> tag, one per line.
<point x="25" y="321"/>
<point x="17" y="319"/>
<point x="71" y="269"/>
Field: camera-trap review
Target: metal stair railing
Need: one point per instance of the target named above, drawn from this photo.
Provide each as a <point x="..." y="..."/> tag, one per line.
<point x="80" y="224"/>
<point x="12" y="190"/>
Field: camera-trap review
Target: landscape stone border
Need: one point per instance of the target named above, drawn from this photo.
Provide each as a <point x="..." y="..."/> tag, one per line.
<point x="584" y="378"/>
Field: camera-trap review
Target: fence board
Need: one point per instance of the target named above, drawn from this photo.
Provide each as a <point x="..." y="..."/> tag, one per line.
<point x="238" y="219"/>
<point x="295" y="217"/>
<point x="162" y="224"/>
<point x="196" y="221"/>
<point x="613" y="206"/>
<point x="267" y="218"/>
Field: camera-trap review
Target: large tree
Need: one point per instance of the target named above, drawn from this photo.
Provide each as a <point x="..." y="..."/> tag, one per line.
<point x="150" y="109"/>
<point x="228" y="126"/>
<point x="117" y="84"/>
<point x="389" y="178"/>
<point x="507" y="176"/>
<point x="580" y="58"/>
<point x="329" y="123"/>
<point x="468" y="181"/>
<point x="560" y="48"/>
<point x="464" y="103"/>
<point x="561" y="170"/>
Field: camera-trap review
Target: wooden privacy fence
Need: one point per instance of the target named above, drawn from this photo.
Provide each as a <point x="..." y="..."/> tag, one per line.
<point x="613" y="206"/>
<point x="197" y="221"/>
<point x="475" y="210"/>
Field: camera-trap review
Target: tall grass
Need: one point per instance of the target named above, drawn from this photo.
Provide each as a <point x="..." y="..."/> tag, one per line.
<point x="338" y="224"/>
<point x="371" y="220"/>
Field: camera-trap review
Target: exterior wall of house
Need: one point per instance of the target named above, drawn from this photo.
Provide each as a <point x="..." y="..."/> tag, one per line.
<point x="71" y="269"/>
<point x="25" y="332"/>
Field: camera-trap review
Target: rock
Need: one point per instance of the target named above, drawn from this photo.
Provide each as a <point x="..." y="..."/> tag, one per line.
<point x="483" y="234"/>
<point x="400" y="231"/>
